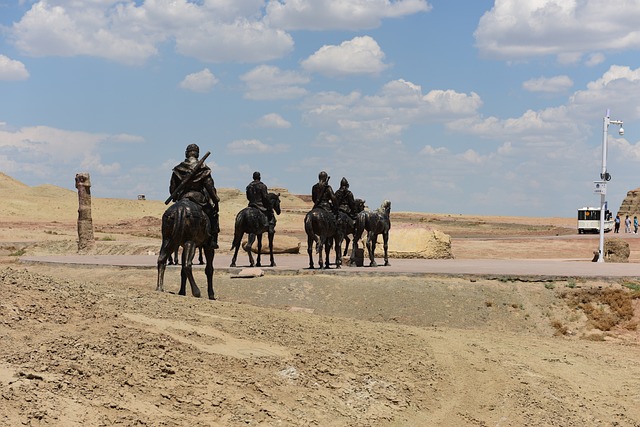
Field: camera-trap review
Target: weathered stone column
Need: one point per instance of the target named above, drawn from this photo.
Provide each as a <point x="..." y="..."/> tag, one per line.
<point x="86" y="240"/>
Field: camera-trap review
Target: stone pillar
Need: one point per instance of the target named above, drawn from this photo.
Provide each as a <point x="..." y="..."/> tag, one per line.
<point x="86" y="240"/>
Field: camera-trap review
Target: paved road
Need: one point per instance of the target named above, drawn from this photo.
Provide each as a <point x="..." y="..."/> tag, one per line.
<point x="298" y="264"/>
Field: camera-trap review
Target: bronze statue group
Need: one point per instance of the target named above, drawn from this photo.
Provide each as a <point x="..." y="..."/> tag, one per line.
<point x="192" y="222"/>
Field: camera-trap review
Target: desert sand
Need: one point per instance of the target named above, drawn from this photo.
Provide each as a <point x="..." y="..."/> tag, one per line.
<point x="99" y="346"/>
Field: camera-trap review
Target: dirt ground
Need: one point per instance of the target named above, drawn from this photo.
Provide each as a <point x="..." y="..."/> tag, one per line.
<point x="99" y="346"/>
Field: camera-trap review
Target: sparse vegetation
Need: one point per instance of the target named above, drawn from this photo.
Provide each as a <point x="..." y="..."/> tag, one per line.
<point x="560" y="328"/>
<point x="632" y="285"/>
<point x="605" y="308"/>
<point x="19" y="252"/>
<point x="550" y="285"/>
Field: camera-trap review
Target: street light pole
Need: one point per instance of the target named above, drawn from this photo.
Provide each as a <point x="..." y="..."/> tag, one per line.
<point x="604" y="176"/>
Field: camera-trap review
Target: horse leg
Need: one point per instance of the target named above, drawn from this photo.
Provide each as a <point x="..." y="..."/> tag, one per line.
<point x="310" y="241"/>
<point x="346" y="246"/>
<point x="250" y="239"/>
<point x="209" y="253"/>
<point x="385" y="239"/>
<point x="322" y="245"/>
<point x="270" y="237"/>
<point x="338" y="244"/>
<point x="237" y="240"/>
<point x="371" y="247"/>
<point x="162" y="264"/>
<point x="186" y="273"/>
<point x="200" y="259"/>
<point x="259" y="236"/>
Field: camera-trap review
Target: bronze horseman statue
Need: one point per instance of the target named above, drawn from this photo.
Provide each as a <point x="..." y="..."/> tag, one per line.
<point x="321" y="223"/>
<point x="255" y="219"/>
<point x="199" y="188"/>
<point x="192" y="221"/>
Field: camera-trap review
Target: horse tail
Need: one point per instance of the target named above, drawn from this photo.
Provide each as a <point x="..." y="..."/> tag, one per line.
<point x="237" y="237"/>
<point x="308" y="228"/>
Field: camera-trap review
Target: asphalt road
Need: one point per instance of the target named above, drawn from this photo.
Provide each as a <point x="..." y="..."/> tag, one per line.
<point x="299" y="264"/>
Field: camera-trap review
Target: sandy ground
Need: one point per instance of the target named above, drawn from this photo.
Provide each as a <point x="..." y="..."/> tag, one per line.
<point x="98" y="346"/>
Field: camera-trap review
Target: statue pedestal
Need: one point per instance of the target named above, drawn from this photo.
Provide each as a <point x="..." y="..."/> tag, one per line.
<point x="359" y="257"/>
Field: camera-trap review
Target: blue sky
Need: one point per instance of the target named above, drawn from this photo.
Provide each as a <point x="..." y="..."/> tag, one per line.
<point x="444" y="106"/>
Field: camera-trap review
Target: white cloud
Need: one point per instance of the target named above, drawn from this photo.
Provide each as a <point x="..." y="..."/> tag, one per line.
<point x="10" y="69"/>
<point x="361" y="55"/>
<point x="46" y="151"/>
<point x="595" y="59"/>
<point x="548" y="84"/>
<point x="201" y="81"/>
<point x="254" y="146"/>
<point x="239" y="41"/>
<point x="339" y="14"/>
<point x="269" y="82"/>
<point x="388" y="113"/>
<point x="130" y="32"/>
<point x="428" y="150"/>
<point x="273" y="120"/>
<point x="515" y="29"/>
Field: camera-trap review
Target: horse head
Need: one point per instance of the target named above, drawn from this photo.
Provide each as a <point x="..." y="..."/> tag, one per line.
<point x="359" y="205"/>
<point x="386" y="208"/>
<point x="274" y="198"/>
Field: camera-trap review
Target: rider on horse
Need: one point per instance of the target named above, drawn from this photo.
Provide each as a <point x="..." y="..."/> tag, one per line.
<point x="322" y="194"/>
<point x="199" y="188"/>
<point x="346" y="202"/>
<point x="258" y="197"/>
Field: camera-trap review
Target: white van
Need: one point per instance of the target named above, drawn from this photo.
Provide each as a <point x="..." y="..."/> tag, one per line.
<point x="589" y="220"/>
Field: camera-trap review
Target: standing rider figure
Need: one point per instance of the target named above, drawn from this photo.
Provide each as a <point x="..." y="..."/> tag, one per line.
<point x="258" y="198"/>
<point x="200" y="188"/>
<point x="322" y="194"/>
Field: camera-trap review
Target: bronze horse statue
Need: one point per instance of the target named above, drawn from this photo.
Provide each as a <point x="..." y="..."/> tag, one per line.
<point x="251" y="220"/>
<point x="375" y="223"/>
<point x="323" y="229"/>
<point x="185" y="224"/>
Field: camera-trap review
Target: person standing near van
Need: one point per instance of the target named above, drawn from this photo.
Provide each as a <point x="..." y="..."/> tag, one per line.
<point x="617" y="224"/>
<point x="627" y="224"/>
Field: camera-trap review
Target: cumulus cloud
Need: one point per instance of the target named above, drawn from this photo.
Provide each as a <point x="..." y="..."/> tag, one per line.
<point x="270" y="82"/>
<point x="239" y="41"/>
<point x="130" y="32"/>
<point x="273" y="120"/>
<point x="514" y="29"/>
<point x="398" y="104"/>
<point x="10" y="69"/>
<point x="361" y="55"/>
<point x="384" y="117"/>
<point x="338" y="14"/>
<point x="557" y="131"/>
<point x="548" y="84"/>
<point x="254" y="146"/>
<point x="47" y="151"/>
<point x="595" y="59"/>
<point x="201" y="81"/>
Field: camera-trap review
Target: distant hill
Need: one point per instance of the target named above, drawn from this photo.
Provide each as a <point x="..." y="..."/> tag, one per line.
<point x="8" y="183"/>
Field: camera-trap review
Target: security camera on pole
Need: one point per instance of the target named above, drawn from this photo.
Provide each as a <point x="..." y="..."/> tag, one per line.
<point x="601" y="186"/>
